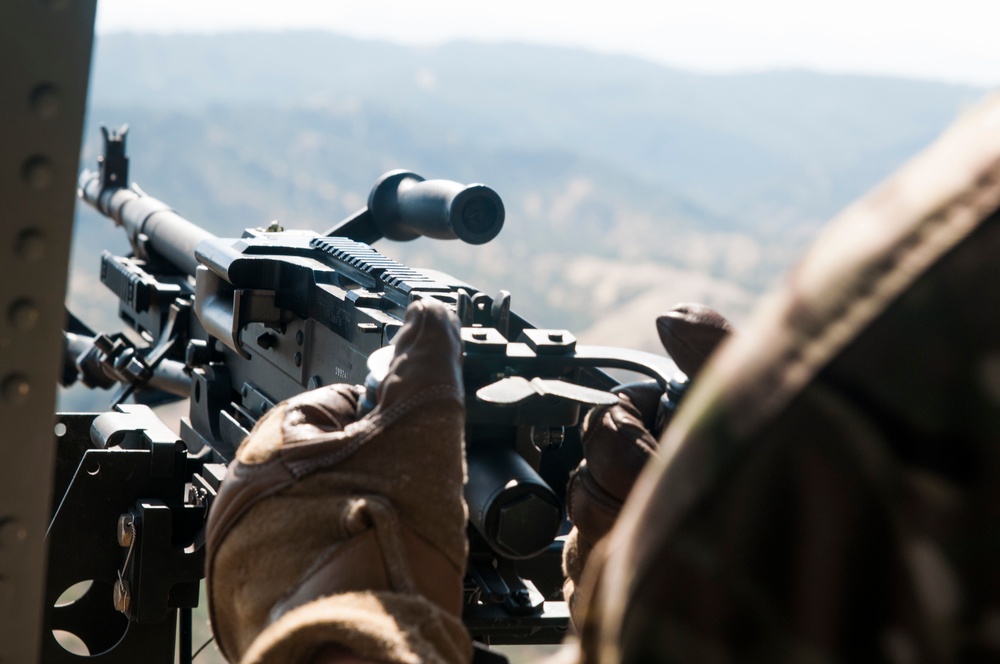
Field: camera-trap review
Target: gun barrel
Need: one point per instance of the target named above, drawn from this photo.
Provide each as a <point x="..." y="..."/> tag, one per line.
<point x="152" y="225"/>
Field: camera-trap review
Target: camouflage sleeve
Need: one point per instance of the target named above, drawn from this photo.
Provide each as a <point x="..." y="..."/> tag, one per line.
<point x="795" y="557"/>
<point x="830" y="489"/>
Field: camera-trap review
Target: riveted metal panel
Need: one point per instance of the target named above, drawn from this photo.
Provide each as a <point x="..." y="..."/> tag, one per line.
<point x="46" y="50"/>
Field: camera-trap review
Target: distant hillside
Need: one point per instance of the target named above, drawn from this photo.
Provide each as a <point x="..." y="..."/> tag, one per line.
<point x="760" y="148"/>
<point x="625" y="182"/>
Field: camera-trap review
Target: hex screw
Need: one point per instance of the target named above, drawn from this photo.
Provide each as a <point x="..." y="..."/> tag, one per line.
<point x="521" y="597"/>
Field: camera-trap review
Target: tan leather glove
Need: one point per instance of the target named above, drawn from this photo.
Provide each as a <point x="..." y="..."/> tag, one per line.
<point x="333" y="530"/>
<point x="618" y="440"/>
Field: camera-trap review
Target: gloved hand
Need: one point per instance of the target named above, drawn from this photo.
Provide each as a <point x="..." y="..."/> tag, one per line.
<point x="331" y="529"/>
<point x="618" y="440"/>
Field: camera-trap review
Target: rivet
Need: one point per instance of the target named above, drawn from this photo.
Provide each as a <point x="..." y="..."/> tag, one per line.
<point x="37" y="172"/>
<point x="297" y="358"/>
<point x="29" y="244"/>
<point x="22" y="314"/>
<point x="15" y="388"/>
<point x="45" y="101"/>
<point x="12" y="533"/>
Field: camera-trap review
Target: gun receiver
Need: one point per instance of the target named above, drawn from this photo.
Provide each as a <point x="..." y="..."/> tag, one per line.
<point x="237" y="325"/>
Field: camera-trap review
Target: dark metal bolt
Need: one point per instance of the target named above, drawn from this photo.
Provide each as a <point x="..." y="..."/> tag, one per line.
<point x="547" y="438"/>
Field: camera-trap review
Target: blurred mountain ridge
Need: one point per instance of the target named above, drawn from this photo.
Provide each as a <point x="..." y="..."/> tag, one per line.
<point x="651" y="182"/>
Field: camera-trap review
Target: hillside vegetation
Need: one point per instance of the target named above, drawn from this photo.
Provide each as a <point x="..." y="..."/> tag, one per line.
<point x="628" y="186"/>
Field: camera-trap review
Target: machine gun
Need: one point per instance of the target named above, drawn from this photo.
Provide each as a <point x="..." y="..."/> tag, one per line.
<point x="236" y="326"/>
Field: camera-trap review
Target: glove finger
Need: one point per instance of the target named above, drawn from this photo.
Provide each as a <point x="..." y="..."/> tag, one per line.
<point x="645" y="396"/>
<point x="428" y="353"/>
<point x="428" y="357"/>
<point x="617" y="445"/>
<point x="319" y="412"/>
<point x="689" y="333"/>
<point x="302" y="418"/>
<point x="589" y="507"/>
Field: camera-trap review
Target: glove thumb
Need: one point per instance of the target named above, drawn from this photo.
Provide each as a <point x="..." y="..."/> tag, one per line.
<point x="428" y="356"/>
<point x="690" y="333"/>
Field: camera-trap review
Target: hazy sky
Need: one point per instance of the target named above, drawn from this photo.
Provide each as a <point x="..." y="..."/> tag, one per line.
<point x="951" y="40"/>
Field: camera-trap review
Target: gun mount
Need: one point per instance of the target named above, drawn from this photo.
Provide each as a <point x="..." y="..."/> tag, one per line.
<point x="237" y="325"/>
